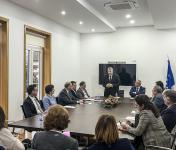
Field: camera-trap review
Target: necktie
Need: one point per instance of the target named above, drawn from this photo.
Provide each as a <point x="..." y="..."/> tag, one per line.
<point x="38" y="106"/>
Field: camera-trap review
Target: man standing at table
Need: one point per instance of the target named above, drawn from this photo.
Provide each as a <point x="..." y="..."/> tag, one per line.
<point x="111" y="83"/>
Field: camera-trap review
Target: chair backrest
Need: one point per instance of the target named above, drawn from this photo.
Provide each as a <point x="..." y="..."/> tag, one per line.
<point x="2" y="148"/>
<point x="41" y="104"/>
<point x="173" y="141"/>
<point x="24" y="111"/>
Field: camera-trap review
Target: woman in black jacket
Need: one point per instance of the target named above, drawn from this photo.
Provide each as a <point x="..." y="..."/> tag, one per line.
<point x="107" y="136"/>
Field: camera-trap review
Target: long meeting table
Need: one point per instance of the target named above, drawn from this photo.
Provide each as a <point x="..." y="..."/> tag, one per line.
<point x="83" y="118"/>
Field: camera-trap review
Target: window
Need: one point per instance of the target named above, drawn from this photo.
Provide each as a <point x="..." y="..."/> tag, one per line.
<point x="34" y="58"/>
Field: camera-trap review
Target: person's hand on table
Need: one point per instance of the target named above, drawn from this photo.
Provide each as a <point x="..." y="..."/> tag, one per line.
<point x="81" y="101"/>
<point x="125" y="126"/>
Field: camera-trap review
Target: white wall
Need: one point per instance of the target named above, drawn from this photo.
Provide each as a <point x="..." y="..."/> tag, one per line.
<point x="65" y="52"/>
<point x="145" y="46"/>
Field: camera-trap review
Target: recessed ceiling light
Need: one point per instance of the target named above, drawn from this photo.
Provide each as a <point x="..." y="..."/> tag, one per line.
<point x="63" y="12"/>
<point x="81" y="22"/>
<point x="132" y="21"/>
<point x="128" y="16"/>
<point x="93" y="30"/>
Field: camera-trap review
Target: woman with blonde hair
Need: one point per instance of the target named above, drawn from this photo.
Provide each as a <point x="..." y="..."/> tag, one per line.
<point x="107" y="136"/>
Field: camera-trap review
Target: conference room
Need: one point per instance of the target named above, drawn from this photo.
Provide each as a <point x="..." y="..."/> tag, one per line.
<point x="87" y="75"/>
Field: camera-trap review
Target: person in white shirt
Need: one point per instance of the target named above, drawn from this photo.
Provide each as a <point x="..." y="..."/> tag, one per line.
<point x="7" y="140"/>
<point x="32" y="105"/>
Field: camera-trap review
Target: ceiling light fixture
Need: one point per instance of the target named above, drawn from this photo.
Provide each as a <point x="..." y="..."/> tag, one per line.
<point x="128" y="16"/>
<point x="93" y="30"/>
<point x="132" y="21"/>
<point x="63" y="12"/>
<point x="81" y="22"/>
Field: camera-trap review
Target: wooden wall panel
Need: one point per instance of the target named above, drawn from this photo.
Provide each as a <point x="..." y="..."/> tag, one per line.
<point x="4" y="66"/>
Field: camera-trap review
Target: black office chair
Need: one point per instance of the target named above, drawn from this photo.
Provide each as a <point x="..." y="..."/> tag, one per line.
<point x="24" y="112"/>
<point x="2" y="148"/>
<point x="57" y="100"/>
<point x="121" y="93"/>
<point x="41" y="104"/>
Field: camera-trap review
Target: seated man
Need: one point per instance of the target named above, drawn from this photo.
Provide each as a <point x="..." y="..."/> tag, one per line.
<point x="73" y="91"/>
<point x="137" y="89"/>
<point x="82" y="92"/>
<point x="168" y="115"/>
<point x="64" y="97"/>
<point x="157" y="99"/>
<point x="31" y="104"/>
<point x="49" y="99"/>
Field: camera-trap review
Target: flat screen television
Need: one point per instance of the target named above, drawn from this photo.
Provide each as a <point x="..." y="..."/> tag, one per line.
<point x="126" y="72"/>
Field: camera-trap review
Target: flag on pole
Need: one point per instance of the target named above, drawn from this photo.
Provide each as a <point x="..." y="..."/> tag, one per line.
<point x="170" y="78"/>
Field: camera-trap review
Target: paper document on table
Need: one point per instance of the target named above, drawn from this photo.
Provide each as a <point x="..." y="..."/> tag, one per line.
<point x="129" y="118"/>
<point x="89" y="99"/>
<point x="72" y="107"/>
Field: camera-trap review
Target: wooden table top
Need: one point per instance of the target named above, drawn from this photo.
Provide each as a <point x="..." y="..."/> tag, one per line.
<point x="83" y="118"/>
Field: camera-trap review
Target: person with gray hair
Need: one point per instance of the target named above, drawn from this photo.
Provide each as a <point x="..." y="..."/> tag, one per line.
<point x="168" y="115"/>
<point x="157" y="99"/>
<point x="64" y="97"/>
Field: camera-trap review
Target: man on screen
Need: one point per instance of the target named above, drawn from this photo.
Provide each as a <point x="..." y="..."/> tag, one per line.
<point x="111" y="83"/>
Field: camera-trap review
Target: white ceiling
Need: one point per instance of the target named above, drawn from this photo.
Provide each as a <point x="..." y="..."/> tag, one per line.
<point x="160" y="13"/>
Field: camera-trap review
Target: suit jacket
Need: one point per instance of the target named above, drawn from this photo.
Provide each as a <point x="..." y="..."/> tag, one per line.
<point x="74" y="96"/>
<point x="169" y="117"/>
<point x="133" y="91"/>
<point x="121" y="144"/>
<point x="152" y="130"/>
<point x="51" y="140"/>
<point x="80" y="94"/>
<point x="115" y="81"/>
<point x="29" y="107"/>
<point x="64" y="98"/>
<point x="158" y="101"/>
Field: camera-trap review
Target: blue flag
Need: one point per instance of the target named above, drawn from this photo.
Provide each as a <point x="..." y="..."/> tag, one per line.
<point x="170" y="78"/>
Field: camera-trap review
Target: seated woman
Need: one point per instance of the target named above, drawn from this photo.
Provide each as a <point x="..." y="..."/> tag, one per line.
<point x="7" y="140"/>
<point x="150" y="125"/>
<point x="49" y="99"/>
<point x="107" y="135"/>
<point x="168" y="115"/>
<point x="55" y="122"/>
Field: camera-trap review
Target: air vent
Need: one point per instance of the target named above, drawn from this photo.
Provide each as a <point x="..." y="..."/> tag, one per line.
<point x="132" y="4"/>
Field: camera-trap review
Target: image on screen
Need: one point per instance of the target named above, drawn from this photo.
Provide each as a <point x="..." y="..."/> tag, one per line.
<point x="126" y="72"/>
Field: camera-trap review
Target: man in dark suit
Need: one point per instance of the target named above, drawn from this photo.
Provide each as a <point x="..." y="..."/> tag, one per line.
<point x="111" y="83"/>
<point x="169" y="114"/>
<point x="31" y="104"/>
<point x="73" y="91"/>
<point x="82" y="92"/>
<point x="137" y="89"/>
<point x="64" y="97"/>
<point x="158" y="99"/>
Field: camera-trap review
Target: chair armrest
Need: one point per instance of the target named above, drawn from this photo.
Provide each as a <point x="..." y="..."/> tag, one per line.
<point x="157" y="147"/>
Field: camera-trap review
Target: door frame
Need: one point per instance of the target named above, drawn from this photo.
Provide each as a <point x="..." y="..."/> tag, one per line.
<point x="4" y="61"/>
<point x="46" y="70"/>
